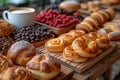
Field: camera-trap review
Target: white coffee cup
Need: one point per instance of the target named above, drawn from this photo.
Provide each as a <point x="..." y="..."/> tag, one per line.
<point x="19" y="17"/>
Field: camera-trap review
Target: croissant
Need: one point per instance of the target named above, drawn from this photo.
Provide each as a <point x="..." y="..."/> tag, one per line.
<point x="55" y="45"/>
<point x="5" y="63"/>
<point x="16" y="73"/>
<point x="43" y="67"/>
<point x="21" y="52"/>
<point x="5" y="28"/>
<point x="71" y="55"/>
<point x="85" y="47"/>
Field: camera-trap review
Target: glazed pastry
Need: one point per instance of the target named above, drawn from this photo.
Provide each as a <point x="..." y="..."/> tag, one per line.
<point x="55" y="45"/>
<point x="85" y="47"/>
<point x="89" y="25"/>
<point x="114" y="35"/>
<point x="5" y="63"/>
<point x="5" y="28"/>
<point x="43" y="67"/>
<point x="115" y="27"/>
<point x="71" y="55"/>
<point x="77" y="33"/>
<point x="16" y="73"/>
<point x="82" y="27"/>
<point x="103" y="42"/>
<point x="21" y="52"/>
<point x="67" y="37"/>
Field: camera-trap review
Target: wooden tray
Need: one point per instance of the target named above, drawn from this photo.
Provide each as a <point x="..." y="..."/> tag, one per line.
<point x="65" y="74"/>
<point x="59" y="31"/>
<point x="79" y="67"/>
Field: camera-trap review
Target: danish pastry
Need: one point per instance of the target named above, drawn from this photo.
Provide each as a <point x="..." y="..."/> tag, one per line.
<point x="43" y="67"/>
<point x="55" y="45"/>
<point x="5" y="63"/>
<point x="5" y="28"/>
<point x="16" y="73"/>
<point x="71" y="55"/>
<point x="85" y="47"/>
<point x="77" y="33"/>
<point x="21" y="52"/>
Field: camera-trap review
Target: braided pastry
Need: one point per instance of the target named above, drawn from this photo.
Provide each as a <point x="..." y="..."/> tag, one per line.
<point x="43" y="67"/>
<point x="4" y="63"/>
<point x="16" y="73"/>
<point x="55" y="45"/>
<point x="85" y="47"/>
<point x="21" y="52"/>
<point x="5" y="28"/>
<point x="71" y="55"/>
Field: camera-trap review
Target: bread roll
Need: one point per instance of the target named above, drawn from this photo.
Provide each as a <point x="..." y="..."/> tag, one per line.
<point x="70" y="6"/>
<point x="21" y="52"/>
<point x="55" y="45"/>
<point x="111" y="12"/>
<point x="71" y="55"/>
<point x="5" y="63"/>
<point x="82" y="27"/>
<point x="16" y="73"/>
<point x="114" y="35"/>
<point x="43" y="67"/>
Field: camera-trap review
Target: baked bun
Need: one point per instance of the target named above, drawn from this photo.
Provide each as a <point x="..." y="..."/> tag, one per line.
<point x="5" y="63"/>
<point x="55" y="45"/>
<point x="67" y="37"/>
<point x="71" y="55"/>
<point x="16" y="73"/>
<point x="5" y="28"/>
<point x="102" y="42"/>
<point x="114" y="35"/>
<point x="70" y="6"/>
<point x="82" y="27"/>
<point x="111" y="12"/>
<point x="43" y="67"/>
<point x="21" y="52"/>
<point x="77" y="33"/>
<point x="85" y="47"/>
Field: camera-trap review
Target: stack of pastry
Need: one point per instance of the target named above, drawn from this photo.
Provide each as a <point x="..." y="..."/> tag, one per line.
<point x="96" y="19"/>
<point x="85" y="47"/>
<point x="110" y="2"/>
<point x="58" y="44"/>
<point x="91" y="6"/>
<point x="111" y="30"/>
<point x="5" y="39"/>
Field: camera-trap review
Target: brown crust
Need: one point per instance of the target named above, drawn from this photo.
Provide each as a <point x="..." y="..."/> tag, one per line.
<point x="111" y="12"/>
<point x="114" y="35"/>
<point x="21" y="52"/>
<point x="5" y="28"/>
<point x="82" y="27"/>
<point x="16" y="73"/>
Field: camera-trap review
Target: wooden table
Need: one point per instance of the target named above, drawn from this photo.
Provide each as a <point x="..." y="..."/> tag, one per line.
<point x="104" y="66"/>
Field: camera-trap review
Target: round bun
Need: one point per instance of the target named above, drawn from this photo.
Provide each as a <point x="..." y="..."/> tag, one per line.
<point x="71" y="55"/>
<point x="43" y="67"/>
<point x="5" y="28"/>
<point x="21" y="52"/>
<point x="16" y="73"/>
<point x="114" y="35"/>
<point x="70" y="6"/>
<point x="85" y="47"/>
<point x="55" y="45"/>
<point x="5" y="63"/>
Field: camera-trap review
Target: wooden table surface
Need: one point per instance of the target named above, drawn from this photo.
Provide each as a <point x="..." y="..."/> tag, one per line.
<point x="99" y="68"/>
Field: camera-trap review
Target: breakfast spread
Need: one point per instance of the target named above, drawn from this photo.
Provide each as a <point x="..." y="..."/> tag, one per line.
<point x="60" y="31"/>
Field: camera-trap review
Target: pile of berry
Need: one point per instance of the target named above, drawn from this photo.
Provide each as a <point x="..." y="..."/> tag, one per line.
<point x="55" y="19"/>
<point x="56" y="8"/>
<point x="32" y="33"/>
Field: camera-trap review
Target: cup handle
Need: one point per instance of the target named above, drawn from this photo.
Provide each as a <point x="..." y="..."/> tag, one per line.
<point x="5" y="15"/>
